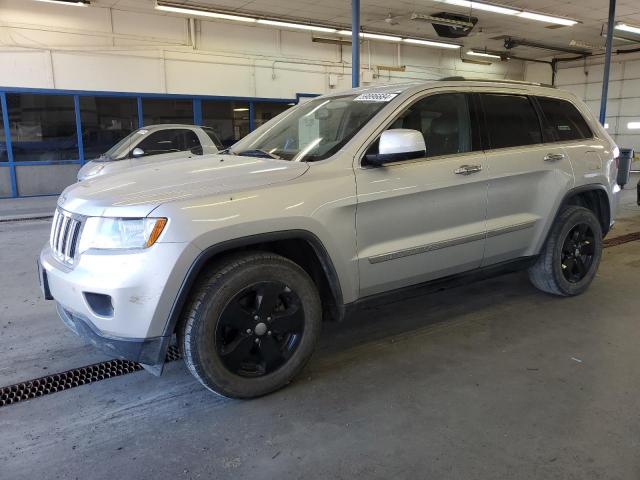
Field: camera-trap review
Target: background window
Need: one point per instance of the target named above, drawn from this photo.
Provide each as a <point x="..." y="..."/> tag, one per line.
<point x="264" y="111"/>
<point x="43" y="127"/>
<point x="169" y="141"/>
<point x="443" y="121"/>
<point x="511" y="120"/>
<point x="156" y="111"/>
<point x="105" y="121"/>
<point x="563" y="121"/>
<point x="4" y="156"/>
<point x="229" y="120"/>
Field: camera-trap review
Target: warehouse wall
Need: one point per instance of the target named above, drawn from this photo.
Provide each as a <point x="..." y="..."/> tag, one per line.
<point x="585" y="80"/>
<point x="131" y="47"/>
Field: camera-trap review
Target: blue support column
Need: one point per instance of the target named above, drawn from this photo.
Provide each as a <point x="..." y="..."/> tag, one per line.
<point x="140" y="116"/>
<point x="251" y="119"/>
<point x="607" y="61"/>
<point x="7" y="133"/>
<point x="355" y="43"/>
<point x="76" y="106"/>
<point x="197" y="111"/>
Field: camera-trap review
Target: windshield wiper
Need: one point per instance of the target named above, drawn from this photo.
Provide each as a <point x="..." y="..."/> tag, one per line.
<point x="258" y="153"/>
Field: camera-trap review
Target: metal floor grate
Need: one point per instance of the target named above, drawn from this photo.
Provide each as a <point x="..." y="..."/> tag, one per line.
<point x="73" y="378"/>
<point x="626" y="238"/>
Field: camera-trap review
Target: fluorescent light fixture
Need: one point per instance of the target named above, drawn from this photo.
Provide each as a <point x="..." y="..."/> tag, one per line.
<point x="301" y="26"/>
<point x="71" y="3"/>
<point x="487" y="7"/>
<point x="547" y="18"/>
<point x="633" y="125"/>
<point x="483" y="54"/>
<point x="373" y="36"/>
<point x="429" y="43"/>
<point x="203" y="13"/>
<point x="490" y="7"/>
<point x="627" y="28"/>
<point x="240" y="109"/>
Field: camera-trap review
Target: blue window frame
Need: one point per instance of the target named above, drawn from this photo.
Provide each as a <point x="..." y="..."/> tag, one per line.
<point x="61" y="127"/>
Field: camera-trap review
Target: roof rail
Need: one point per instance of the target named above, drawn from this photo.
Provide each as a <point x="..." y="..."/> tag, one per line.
<point x="493" y="80"/>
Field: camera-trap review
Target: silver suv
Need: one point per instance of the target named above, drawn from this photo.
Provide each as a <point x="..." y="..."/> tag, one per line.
<point x="340" y="200"/>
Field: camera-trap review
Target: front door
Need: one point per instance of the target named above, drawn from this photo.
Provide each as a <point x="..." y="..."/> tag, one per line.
<point x="422" y="219"/>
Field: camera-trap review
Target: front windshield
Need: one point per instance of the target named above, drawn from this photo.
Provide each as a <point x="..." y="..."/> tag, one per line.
<point x="314" y="130"/>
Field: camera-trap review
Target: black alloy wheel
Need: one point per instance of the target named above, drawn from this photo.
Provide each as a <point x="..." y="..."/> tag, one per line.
<point x="251" y="324"/>
<point x="577" y="253"/>
<point x="569" y="259"/>
<point x="259" y="329"/>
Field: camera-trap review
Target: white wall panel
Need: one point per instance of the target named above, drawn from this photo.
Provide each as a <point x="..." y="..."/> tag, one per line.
<point x="92" y="71"/>
<point x="25" y="69"/>
<point x="51" y="15"/>
<point x="204" y="78"/>
<point x="219" y="36"/>
<point x="170" y="29"/>
<point x="299" y="45"/>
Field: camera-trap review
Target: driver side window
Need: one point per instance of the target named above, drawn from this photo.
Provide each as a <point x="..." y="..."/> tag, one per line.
<point x="444" y="121"/>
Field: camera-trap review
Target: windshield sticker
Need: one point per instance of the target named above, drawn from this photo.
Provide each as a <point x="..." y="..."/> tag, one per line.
<point x="375" y="97"/>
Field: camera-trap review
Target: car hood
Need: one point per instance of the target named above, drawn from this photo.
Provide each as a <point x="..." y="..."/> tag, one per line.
<point x="137" y="191"/>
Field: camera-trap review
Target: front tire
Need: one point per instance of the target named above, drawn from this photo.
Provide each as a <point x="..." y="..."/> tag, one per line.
<point x="569" y="260"/>
<point x="251" y="326"/>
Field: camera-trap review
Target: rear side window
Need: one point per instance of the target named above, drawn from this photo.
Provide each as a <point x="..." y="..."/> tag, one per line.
<point x="190" y="140"/>
<point x="511" y="120"/>
<point x="212" y="135"/>
<point x="563" y="121"/>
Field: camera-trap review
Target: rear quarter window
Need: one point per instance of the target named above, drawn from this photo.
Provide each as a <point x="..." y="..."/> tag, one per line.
<point x="563" y="121"/>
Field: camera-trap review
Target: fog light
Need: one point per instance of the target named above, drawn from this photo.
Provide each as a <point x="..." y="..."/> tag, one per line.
<point x="99" y="303"/>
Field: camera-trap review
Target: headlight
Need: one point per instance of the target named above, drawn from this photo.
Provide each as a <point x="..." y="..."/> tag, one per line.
<point x="120" y="233"/>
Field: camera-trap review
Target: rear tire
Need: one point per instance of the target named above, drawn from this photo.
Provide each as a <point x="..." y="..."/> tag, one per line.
<point x="251" y="325"/>
<point x="570" y="258"/>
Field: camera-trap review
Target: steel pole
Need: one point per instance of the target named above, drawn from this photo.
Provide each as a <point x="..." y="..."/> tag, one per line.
<point x="355" y="43"/>
<point x="607" y="61"/>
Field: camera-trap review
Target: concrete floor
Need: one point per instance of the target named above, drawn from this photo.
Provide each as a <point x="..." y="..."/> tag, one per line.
<point x="490" y="380"/>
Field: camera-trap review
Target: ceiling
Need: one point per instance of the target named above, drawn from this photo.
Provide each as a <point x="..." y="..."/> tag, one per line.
<point x="591" y="13"/>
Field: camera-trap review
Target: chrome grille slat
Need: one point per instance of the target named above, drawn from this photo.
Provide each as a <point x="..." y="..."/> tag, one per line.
<point x="54" y="226"/>
<point x="65" y="235"/>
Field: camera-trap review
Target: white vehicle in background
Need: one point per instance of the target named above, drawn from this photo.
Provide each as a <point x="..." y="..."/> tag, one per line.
<point x="153" y="144"/>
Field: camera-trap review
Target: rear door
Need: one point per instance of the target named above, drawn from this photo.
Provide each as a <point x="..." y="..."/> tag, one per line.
<point x="527" y="174"/>
<point x="565" y="126"/>
<point x="424" y="218"/>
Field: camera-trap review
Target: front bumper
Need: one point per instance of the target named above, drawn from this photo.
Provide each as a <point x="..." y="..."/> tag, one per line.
<point x="141" y="286"/>
<point x="148" y="351"/>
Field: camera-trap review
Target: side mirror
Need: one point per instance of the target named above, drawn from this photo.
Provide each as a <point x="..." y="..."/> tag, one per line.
<point x="137" y="152"/>
<point x="197" y="150"/>
<point x="396" y="145"/>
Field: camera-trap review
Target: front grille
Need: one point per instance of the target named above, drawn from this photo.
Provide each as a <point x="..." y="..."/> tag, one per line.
<point x="65" y="235"/>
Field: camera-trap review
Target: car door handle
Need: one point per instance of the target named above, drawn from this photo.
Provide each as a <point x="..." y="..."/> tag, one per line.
<point x="467" y="169"/>
<point x="554" y="157"/>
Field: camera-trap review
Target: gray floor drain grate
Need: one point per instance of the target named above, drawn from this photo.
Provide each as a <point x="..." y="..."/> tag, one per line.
<point x="72" y="378"/>
<point x="626" y="238"/>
